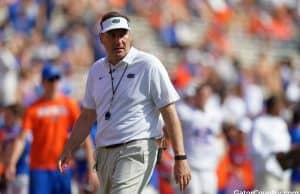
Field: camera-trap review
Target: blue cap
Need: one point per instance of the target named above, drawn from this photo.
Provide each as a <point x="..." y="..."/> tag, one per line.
<point x="50" y="72"/>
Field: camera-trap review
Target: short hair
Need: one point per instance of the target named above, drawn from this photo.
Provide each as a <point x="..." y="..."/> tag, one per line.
<point x="203" y="85"/>
<point x="112" y="14"/>
<point x="16" y="109"/>
<point x="296" y="114"/>
<point x="271" y="101"/>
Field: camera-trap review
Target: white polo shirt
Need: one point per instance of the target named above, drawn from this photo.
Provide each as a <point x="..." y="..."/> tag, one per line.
<point x="144" y="88"/>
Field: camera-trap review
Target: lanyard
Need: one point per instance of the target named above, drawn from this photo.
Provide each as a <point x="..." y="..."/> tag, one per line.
<point x="114" y="90"/>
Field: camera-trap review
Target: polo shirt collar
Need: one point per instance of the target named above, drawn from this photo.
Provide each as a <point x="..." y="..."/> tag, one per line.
<point x="128" y="59"/>
<point x="130" y="56"/>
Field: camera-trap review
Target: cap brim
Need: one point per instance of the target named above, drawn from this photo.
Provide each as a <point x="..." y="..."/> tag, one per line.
<point x="52" y="77"/>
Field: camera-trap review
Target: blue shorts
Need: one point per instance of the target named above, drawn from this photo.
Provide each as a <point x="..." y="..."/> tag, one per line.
<point x="50" y="182"/>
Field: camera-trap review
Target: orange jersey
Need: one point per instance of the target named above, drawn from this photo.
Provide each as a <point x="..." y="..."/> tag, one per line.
<point x="223" y="172"/>
<point x="242" y="164"/>
<point x="49" y="120"/>
<point x="2" y="134"/>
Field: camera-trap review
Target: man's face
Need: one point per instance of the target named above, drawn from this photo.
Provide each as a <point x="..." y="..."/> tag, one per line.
<point x="9" y="117"/>
<point x="202" y="95"/>
<point x="278" y="108"/>
<point x="51" y="85"/>
<point x="117" y="44"/>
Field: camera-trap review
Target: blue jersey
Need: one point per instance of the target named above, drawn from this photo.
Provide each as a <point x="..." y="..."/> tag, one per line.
<point x="22" y="166"/>
<point x="93" y="133"/>
<point x="295" y="137"/>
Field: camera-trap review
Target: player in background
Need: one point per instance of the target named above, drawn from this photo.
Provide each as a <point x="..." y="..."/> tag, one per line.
<point x="295" y="138"/>
<point x="201" y="131"/>
<point x="49" y="119"/>
<point x="269" y="136"/>
<point x="12" y="115"/>
<point x="81" y="168"/>
<point x="240" y="175"/>
<point x="164" y="166"/>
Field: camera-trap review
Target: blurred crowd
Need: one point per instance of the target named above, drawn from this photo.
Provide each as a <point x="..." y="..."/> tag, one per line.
<point x="245" y="50"/>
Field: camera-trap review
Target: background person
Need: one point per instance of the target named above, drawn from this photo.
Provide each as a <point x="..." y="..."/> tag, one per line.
<point x="201" y="131"/>
<point x="11" y="129"/>
<point x="270" y="136"/>
<point x="49" y="119"/>
<point x="295" y="139"/>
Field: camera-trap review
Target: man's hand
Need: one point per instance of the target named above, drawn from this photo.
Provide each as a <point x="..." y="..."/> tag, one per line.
<point x="64" y="160"/>
<point x="182" y="173"/>
<point x="93" y="180"/>
<point x="10" y="172"/>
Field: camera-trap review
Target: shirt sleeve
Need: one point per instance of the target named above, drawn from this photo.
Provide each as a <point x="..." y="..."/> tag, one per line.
<point x="74" y="110"/>
<point x="162" y="90"/>
<point x="27" y="124"/>
<point x="88" y="100"/>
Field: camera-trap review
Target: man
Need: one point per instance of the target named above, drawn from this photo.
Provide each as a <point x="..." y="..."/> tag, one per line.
<point x="49" y="120"/>
<point x="295" y="140"/>
<point x="269" y="137"/>
<point x="12" y="115"/>
<point x="126" y="92"/>
<point x="201" y="132"/>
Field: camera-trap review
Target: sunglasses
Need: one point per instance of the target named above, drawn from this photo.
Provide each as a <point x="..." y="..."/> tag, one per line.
<point x="53" y="79"/>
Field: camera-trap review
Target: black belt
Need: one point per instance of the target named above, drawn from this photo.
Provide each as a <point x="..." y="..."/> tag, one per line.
<point x="118" y="144"/>
<point x="122" y="144"/>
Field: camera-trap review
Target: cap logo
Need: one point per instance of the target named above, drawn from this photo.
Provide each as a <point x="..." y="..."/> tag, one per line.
<point x="115" y="21"/>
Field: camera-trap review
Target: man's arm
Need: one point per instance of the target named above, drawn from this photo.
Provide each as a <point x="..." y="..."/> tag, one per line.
<point x="89" y="149"/>
<point x="81" y="130"/>
<point x="182" y="171"/>
<point x="93" y="180"/>
<point x="14" y="155"/>
<point x="173" y="128"/>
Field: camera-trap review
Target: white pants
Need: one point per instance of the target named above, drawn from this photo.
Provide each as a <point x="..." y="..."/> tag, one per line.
<point x="202" y="182"/>
<point x="126" y="169"/>
<point x="295" y="187"/>
<point x="19" y="186"/>
<point x="264" y="181"/>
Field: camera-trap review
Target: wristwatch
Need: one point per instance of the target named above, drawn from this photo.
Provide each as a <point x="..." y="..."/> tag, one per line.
<point x="180" y="157"/>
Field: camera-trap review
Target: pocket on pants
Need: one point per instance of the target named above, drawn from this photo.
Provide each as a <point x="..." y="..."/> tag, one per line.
<point x="136" y="155"/>
<point x="130" y="166"/>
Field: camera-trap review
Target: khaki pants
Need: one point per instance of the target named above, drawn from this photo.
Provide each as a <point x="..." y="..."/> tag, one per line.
<point x="126" y="169"/>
